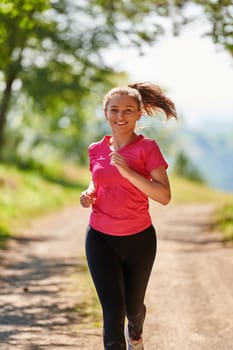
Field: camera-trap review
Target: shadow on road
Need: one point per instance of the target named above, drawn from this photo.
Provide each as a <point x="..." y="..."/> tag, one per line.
<point x="34" y="292"/>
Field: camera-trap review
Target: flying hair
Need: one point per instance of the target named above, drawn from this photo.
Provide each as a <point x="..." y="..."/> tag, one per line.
<point x="149" y="97"/>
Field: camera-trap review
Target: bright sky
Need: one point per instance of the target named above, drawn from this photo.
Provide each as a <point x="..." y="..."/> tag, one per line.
<point x="196" y="75"/>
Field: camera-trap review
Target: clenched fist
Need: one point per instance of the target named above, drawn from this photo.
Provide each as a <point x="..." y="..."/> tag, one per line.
<point x="87" y="198"/>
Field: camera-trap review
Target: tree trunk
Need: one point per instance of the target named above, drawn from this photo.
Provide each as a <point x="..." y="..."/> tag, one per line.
<point x="4" y="106"/>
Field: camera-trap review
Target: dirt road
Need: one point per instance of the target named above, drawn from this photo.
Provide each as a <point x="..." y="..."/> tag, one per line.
<point x="46" y="298"/>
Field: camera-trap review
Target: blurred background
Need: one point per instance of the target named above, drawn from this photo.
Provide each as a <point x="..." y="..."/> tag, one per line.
<point x="57" y="60"/>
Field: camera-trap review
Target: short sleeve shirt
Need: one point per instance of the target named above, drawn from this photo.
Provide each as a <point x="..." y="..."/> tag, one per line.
<point x="122" y="209"/>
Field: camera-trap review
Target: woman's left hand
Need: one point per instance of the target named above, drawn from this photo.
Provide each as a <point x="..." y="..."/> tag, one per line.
<point x="119" y="162"/>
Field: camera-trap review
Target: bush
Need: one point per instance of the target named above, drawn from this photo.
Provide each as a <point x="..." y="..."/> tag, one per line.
<point x="4" y="235"/>
<point x="186" y="169"/>
<point x="224" y="218"/>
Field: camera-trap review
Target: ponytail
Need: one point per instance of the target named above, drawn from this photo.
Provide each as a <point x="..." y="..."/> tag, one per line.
<point x="153" y="100"/>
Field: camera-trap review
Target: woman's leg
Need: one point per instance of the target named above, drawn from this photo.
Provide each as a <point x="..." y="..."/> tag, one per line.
<point x="137" y="269"/>
<point x="106" y="271"/>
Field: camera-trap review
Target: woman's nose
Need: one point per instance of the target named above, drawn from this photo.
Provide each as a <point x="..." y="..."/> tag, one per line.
<point x="120" y="114"/>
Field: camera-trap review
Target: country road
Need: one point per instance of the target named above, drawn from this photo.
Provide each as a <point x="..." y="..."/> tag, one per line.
<point x="46" y="295"/>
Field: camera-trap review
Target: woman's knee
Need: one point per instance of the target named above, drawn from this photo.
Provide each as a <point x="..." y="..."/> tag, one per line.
<point x="114" y="318"/>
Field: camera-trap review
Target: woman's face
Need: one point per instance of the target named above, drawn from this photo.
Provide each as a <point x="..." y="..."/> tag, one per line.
<point x="122" y="113"/>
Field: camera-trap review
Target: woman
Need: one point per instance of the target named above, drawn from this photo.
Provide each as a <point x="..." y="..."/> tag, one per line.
<point x="127" y="169"/>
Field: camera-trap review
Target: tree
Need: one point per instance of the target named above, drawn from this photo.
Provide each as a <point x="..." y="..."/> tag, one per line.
<point x="52" y="52"/>
<point x="220" y="16"/>
<point x="53" y="49"/>
<point x="18" y="21"/>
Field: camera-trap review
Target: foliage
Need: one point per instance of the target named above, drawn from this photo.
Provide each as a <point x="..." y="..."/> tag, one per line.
<point x="52" y="70"/>
<point x="186" y="169"/>
<point x="4" y="235"/>
<point x="48" y="65"/>
<point x="209" y="147"/>
<point x="220" y="16"/>
<point x="224" y="220"/>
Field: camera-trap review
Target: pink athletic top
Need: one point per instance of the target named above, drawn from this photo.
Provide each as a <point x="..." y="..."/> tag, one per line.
<point x="120" y="208"/>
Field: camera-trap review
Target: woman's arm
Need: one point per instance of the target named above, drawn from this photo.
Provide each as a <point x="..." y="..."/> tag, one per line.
<point x="158" y="189"/>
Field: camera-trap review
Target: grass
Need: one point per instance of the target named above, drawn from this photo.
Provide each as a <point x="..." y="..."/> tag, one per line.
<point x="26" y="194"/>
<point x="184" y="191"/>
<point x="224" y="220"/>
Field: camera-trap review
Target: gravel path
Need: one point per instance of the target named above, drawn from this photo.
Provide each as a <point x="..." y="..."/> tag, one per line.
<point x="47" y="298"/>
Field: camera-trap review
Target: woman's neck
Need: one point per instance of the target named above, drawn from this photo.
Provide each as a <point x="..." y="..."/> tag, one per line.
<point x="117" y="142"/>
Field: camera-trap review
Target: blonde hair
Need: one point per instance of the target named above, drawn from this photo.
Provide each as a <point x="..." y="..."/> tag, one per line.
<point x="149" y="97"/>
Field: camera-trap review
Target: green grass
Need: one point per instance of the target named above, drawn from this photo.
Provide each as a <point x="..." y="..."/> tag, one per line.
<point x="224" y="220"/>
<point x="27" y="194"/>
<point x="185" y="191"/>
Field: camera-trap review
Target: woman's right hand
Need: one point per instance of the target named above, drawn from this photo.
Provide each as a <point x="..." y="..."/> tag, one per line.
<point x="87" y="198"/>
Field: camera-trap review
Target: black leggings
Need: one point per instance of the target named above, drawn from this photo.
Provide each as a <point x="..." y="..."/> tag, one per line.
<point x="120" y="268"/>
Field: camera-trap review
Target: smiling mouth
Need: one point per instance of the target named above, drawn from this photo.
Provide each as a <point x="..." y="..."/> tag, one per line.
<point x="121" y="123"/>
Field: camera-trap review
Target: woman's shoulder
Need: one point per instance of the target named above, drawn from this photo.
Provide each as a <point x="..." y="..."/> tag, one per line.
<point x="98" y="144"/>
<point x="147" y="142"/>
